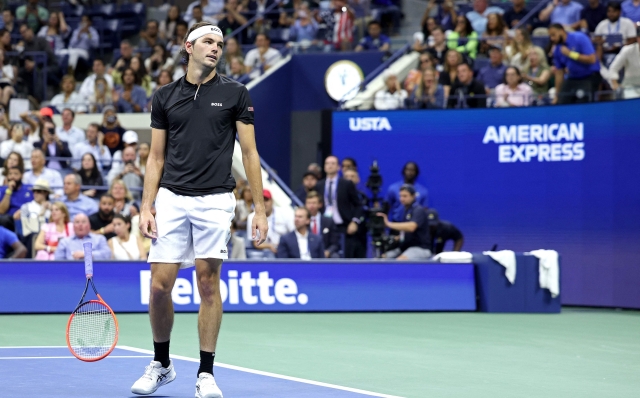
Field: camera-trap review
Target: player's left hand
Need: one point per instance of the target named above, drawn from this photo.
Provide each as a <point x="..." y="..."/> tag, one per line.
<point x="259" y="228"/>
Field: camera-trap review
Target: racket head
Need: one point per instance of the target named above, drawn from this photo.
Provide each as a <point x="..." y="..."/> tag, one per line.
<point x="92" y="331"/>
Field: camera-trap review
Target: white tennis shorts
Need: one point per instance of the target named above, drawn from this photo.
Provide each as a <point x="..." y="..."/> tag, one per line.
<point x="191" y="227"/>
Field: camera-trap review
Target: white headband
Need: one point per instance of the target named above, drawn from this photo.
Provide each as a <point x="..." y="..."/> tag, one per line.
<point x="204" y="30"/>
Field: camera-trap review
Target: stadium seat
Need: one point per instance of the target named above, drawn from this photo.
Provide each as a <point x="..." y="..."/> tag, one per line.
<point x="105" y="10"/>
<point x="132" y="17"/>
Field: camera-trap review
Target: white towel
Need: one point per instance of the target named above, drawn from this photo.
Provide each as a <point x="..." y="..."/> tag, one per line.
<point x="454" y="257"/>
<point x="548" y="270"/>
<point x="506" y="258"/>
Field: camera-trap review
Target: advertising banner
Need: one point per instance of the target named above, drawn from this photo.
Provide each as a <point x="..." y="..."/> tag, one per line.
<point x="558" y="177"/>
<point x="247" y="286"/>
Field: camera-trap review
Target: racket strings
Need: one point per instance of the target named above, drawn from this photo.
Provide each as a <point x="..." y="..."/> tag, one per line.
<point x="92" y="330"/>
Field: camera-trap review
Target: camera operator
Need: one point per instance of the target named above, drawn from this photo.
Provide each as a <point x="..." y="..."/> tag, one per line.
<point x="414" y="237"/>
<point x="443" y="231"/>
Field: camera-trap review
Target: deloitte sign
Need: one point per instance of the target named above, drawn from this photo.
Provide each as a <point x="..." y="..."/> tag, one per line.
<point x="242" y="289"/>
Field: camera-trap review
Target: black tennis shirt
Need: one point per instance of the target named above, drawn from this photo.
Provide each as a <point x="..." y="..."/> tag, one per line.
<point x="201" y="132"/>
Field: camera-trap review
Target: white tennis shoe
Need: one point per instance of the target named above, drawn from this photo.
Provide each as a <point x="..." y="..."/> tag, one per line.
<point x="206" y="387"/>
<point x="153" y="378"/>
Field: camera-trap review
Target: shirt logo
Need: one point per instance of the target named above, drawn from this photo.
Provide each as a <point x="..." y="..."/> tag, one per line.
<point x="216" y="104"/>
<point x="250" y="109"/>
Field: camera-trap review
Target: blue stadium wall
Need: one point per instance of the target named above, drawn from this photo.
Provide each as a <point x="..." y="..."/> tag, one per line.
<point x="564" y="178"/>
<point x="296" y="86"/>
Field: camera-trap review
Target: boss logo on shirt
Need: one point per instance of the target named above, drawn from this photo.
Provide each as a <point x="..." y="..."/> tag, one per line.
<point x="216" y="104"/>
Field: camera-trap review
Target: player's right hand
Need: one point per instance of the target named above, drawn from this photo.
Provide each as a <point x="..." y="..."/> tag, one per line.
<point x="148" y="225"/>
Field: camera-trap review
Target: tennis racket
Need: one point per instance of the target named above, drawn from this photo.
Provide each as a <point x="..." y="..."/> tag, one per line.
<point x="92" y="330"/>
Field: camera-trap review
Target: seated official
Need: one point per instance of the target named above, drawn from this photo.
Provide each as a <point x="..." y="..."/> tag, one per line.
<point x="443" y="231"/>
<point x="301" y="243"/>
<point x="11" y="245"/>
<point x="323" y="226"/>
<point x="414" y="231"/>
<point x="72" y="248"/>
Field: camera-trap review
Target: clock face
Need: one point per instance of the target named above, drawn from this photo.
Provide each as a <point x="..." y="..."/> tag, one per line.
<point x="342" y="80"/>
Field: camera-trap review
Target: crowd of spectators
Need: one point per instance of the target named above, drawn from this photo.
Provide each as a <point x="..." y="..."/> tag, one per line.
<point x="59" y="56"/>
<point x="62" y="185"/>
<point x="565" y="53"/>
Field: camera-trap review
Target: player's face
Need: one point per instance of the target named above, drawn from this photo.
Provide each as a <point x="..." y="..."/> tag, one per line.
<point x="207" y="50"/>
<point x="406" y="198"/>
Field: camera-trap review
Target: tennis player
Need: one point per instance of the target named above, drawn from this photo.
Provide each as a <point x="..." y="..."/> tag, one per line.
<point x="194" y="121"/>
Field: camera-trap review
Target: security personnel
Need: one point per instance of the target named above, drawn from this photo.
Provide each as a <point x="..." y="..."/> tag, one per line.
<point x="415" y="242"/>
<point x="443" y="231"/>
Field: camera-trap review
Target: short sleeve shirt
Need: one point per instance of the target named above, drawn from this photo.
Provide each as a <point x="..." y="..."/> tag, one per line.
<point x="19" y="197"/>
<point x="419" y="237"/>
<point x="580" y="43"/>
<point x="623" y="26"/>
<point x="369" y="43"/>
<point x="566" y="15"/>
<point x="201" y="131"/>
<point x="7" y="239"/>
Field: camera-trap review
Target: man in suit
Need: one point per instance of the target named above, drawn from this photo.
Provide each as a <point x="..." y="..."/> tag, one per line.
<point x="301" y="243"/>
<point x="323" y="226"/>
<point x="343" y="206"/>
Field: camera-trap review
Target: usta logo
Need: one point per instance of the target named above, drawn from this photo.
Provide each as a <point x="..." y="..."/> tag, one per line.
<point x="285" y="290"/>
<point x="369" y="124"/>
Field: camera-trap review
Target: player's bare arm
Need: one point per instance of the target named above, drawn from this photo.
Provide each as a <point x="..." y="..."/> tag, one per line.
<point x="155" y="165"/>
<point x="251" y="161"/>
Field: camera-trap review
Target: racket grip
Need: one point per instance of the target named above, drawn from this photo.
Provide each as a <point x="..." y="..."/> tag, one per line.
<point x="88" y="259"/>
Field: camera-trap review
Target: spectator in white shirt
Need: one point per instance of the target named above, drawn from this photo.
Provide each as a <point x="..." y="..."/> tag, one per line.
<point x="628" y="59"/>
<point x="87" y="90"/>
<point x="7" y="80"/>
<point x="280" y="223"/>
<point x="93" y="145"/>
<point x="68" y="132"/>
<point x="40" y="172"/>
<point x="615" y="24"/>
<point x="17" y="143"/>
<point x="513" y="92"/>
<point x="208" y="7"/>
<point x="68" y="98"/>
<point x="261" y="58"/>
<point x="391" y="97"/>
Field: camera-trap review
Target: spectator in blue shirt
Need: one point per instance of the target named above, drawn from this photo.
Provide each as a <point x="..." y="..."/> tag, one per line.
<point x="304" y="28"/>
<point x="130" y="97"/>
<point x="563" y="12"/>
<point x="76" y="202"/>
<point x="12" y="196"/>
<point x="410" y="173"/>
<point x="72" y="248"/>
<point x="631" y="10"/>
<point x="9" y="243"/>
<point x="492" y="75"/>
<point x="375" y="40"/>
<point x="575" y="55"/>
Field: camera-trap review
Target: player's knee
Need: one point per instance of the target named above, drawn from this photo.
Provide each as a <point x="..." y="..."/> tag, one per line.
<point x="209" y="286"/>
<point x="160" y="288"/>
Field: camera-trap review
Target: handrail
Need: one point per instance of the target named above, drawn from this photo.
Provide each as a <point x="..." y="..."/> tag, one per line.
<point x="252" y="20"/>
<point x="280" y="183"/>
<point x="373" y="74"/>
<point x="531" y="13"/>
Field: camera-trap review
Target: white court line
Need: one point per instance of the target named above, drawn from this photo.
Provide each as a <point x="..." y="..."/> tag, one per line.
<point x="72" y="357"/>
<point x="269" y="374"/>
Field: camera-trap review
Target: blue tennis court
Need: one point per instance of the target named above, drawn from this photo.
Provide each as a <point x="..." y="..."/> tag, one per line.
<point x="58" y="374"/>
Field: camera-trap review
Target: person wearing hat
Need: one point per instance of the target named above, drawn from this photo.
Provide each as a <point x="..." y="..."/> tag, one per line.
<point x="415" y="243"/>
<point x="35" y="213"/>
<point x="129" y="139"/>
<point x="441" y="232"/>
<point x="309" y="181"/>
<point x="280" y="222"/>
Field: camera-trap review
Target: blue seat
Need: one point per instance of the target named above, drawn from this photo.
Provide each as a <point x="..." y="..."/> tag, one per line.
<point x="105" y="10"/>
<point x="540" y="41"/>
